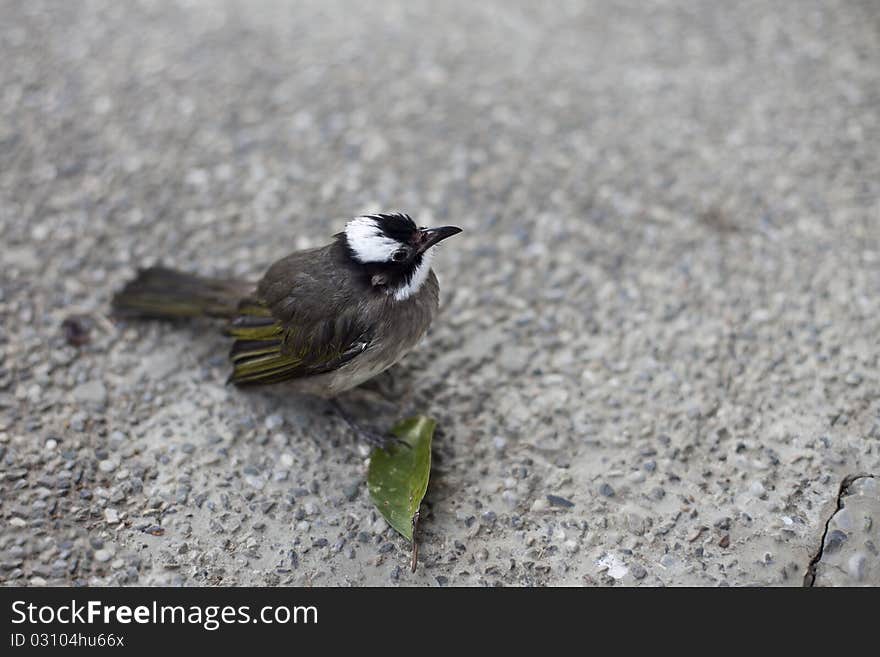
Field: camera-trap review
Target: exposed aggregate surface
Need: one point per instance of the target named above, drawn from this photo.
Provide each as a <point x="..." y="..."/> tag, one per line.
<point x="657" y="357"/>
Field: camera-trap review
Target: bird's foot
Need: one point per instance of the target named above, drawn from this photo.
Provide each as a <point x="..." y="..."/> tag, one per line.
<point x="378" y="439"/>
<point x="374" y="438"/>
<point x="389" y="386"/>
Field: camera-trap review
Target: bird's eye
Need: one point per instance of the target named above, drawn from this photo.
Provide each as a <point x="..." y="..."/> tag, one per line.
<point x="399" y="256"/>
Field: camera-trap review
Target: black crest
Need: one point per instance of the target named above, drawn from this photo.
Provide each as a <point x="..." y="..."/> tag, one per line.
<point x="398" y="226"/>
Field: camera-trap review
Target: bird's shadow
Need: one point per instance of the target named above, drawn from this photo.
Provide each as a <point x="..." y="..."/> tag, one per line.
<point x="379" y="403"/>
<point x="376" y="404"/>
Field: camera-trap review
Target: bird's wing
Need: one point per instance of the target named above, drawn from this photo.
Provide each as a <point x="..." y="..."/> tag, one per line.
<point x="298" y="324"/>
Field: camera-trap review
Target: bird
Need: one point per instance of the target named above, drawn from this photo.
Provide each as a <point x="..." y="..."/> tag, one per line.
<point x="323" y="320"/>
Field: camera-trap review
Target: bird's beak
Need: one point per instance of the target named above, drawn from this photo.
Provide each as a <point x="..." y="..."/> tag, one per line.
<point x="428" y="237"/>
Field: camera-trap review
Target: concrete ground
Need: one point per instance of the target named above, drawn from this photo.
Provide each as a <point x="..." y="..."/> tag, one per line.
<point x="657" y="359"/>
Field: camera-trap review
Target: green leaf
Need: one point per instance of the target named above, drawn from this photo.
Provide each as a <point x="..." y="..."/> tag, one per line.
<point x="398" y="476"/>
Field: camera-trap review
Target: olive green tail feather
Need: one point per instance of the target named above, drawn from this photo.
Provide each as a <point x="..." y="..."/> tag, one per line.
<point x="256" y="354"/>
<point x="163" y="293"/>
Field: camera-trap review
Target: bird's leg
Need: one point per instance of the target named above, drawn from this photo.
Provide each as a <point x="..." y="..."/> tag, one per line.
<point x="389" y="385"/>
<point x="369" y="436"/>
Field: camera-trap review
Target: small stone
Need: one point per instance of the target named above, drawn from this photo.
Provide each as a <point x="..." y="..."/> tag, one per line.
<point x="273" y="422"/>
<point x="539" y="506"/>
<point x="76" y="330"/>
<point x="111" y="516"/>
<point x="695" y="534"/>
<point x="499" y="443"/>
<point x="856" y="566"/>
<point x="255" y="481"/>
<point x="91" y="392"/>
<point x="638" y="571"/>
<point x="834" y="541"/>
<point x="757" y="489"/>
<point x="351" y="491"/>
<point x="510" y="498"/>
<point x="103" y="555"/>
<point x="636" y="477"/>
<point x="606" y="490"/>
<point x="555" y="500"/>
<point x="107" y="465"/>
<point x="78" y="421"/>
<point x="725" y="541"/>
<point x="844" y="520"/>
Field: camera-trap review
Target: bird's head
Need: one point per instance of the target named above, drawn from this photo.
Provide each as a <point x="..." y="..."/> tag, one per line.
<point x="394" y="252"/>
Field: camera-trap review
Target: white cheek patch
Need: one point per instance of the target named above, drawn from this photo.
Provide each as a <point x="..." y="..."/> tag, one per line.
<point x="367" y="242"/>
<point x="420" y="275"/>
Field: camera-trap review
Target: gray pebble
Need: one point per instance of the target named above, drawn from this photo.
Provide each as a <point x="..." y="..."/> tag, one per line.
<point x="856" y="566"/>
<point x="834" y="541"/>
<point x="108" y="465"/>
<point x="351" y="491"/>
<point x="638" y="571"/>
<point x="273" y="422"/>
<point x="555" y="500"/>
<point x="103" y="555"/>
<point x="91" y="392"/>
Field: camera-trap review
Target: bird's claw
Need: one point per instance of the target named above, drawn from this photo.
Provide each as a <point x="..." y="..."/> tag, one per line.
<point x="370" y="436"/>
<point x="381" y="440"/>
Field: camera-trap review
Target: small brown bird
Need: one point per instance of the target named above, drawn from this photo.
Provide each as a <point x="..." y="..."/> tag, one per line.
<point x="326" y="319"/>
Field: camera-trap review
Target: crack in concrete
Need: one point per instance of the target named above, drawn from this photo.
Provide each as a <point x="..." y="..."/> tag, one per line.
<point x="848" y="480"/>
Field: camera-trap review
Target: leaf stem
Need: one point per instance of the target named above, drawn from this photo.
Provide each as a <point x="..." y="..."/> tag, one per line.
<point x="415" y="543"/>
